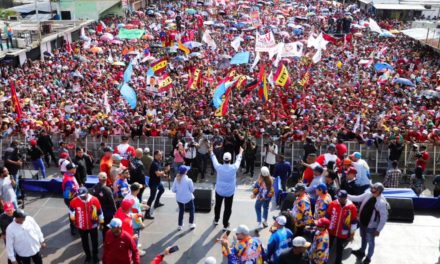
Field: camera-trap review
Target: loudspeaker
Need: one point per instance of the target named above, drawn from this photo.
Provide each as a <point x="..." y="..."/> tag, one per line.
<point x="401" y="209"/>
<point x="287" y="203"/>
<point x="203" y="199"/>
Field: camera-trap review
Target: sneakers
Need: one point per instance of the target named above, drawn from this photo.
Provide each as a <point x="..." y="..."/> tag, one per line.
<point x="215" y="222"/>
<point x="260" y="225"/>
<point x="358" y="253"/>
<point x="142" y="252"/>
<point x="367" y="260"/>
<point x="192" y="226"/>
<point x="265" y="224"/>
<point x="179" y="228"/>
<point x="158" y="205"/>
<point x="148" y="216"/>
<point x="139" y="245"/>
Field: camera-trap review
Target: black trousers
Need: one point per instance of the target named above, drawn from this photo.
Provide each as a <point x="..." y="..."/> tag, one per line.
<point x="108" y="216"/>
<point x="27" y="260"/>
<point x="203" y="161"/>
<point x="228" y="208"/>
<point x="339" y="244"/>
<point x="85" y="242"/>
<point x="47" y="153"/>
<point x="250" y="165"/>
<point x="153" y="191"/>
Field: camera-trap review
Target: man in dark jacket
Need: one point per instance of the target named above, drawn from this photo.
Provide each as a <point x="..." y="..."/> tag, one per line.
<point x="137" y="171"/>
<point x="85" y="166"/>
<point x="396" y="149"/>
<point x="250" y="154"/>
<point x="105" y="197"/>
<point x="36" y="155"/>
<point x="45" y="143"/>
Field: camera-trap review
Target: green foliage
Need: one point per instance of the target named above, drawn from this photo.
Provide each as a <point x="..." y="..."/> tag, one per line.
<point x="4" y="14"/>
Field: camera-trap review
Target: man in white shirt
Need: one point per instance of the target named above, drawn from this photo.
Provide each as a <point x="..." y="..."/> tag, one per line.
<point x="24" y="239"/>
<point x="191" y="152"/>
<point x="363" y="176"/>
<point x="270" y="159"/>
<point x="7" y="185"/>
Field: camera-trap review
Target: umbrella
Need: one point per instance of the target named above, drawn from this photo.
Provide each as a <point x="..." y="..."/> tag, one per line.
<point x="245" y="16"/>
<point x="430" y="94"/>
<point x="233" y="29"/>
<point x="249" y="29"/>
<point x="284" y="34"/>
<point x="311" y="14"/>
<point x="96" y="50"/>
<point x="208" y="23"/>
<point x="195" y="54"/>
<point x="225" y="56"/>
<point x="383" y="66"/>
<point x="403" y="81"/>
<point x="291" y="25"/>
<point x="92" y="31"/>
<point x="222" y="12"/>
<point x="106" y="37"/>
<point x="204" y="13"/>
<point x="249" y="37"/>
<point x="116" y="42"/>
<point x="133" y="53"/>
<point x="394" y="31"/>
<point x="76" y="74"/>
<point x="180" y="58"/>
<point x="121" y="25"/>
<point x="130" y="26"/>
<point x="118" y="63"/>
<point x="240" y="25"/>
<point x="191" y="11"/>
<point x="149" y="58"/>
<point x="220" y="25"/>
<point x="192" y="44"/>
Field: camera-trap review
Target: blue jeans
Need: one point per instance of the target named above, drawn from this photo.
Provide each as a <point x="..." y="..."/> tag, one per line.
<point x="190" y="206"/>
<point x="39" y="165"/>
<point x="17" y="185"/>
<point x="367" y="235"/>
<point x="265" y="205"/>
<point x="137" y="231"/>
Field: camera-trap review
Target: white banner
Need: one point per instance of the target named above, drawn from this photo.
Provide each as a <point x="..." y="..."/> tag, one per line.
<point x="294" y="49"/>
<point x="265" y="42"/>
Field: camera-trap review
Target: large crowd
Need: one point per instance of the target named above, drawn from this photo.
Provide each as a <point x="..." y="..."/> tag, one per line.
<point x="68" y="92"/>
<point x="76" y="91"/>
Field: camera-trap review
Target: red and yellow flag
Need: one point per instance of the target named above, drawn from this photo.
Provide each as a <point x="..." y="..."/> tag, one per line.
<point x="16" y="101"/>
<point x="282" y="77"/>
<point x="305" y="80"/>
<point x="262" y="85"/>
<point x="165" y="83"/>
<point x="241" y="81"/>
<point x="184" y="48"/>
<point x="159" y="66"/>
<point x="194" y="79"/>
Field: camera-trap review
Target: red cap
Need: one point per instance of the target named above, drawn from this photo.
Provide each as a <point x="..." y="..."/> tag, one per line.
<point x="351" y="170"/>
<point x="64" y="155"/>
<point x="33" y="142"/>
<point x="8" y="206"/>
<point x="127" y="204"/>
<point x="322" y="222"/>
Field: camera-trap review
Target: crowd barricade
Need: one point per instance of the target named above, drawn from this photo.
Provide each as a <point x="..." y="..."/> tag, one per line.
<point x="377" y="157"/>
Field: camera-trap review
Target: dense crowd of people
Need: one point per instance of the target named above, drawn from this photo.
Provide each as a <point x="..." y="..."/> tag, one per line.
<point x="76" y="92"/>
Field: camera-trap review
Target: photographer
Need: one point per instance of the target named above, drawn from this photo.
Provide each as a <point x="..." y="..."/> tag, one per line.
<point x="203" y="155"/>
<point x="309" y="147"/>
<point x="190" y="152"/>
<point x="250" y="154"/>
<point x="36" y="155"/>
<point x="13" y="162"/>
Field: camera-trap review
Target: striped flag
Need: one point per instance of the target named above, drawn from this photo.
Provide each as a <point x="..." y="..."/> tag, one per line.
<point x="165" y="83"/>
<point x="262" y="90"/>
<point x="194" y="79"/>
<point x="223" y="109"/>
<point x="305" y="80"/>
<point x="159" y="66"/>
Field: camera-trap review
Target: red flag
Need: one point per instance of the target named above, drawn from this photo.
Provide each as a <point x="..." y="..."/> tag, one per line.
<point x="159" y="66"/>
<point x="195" y="79"/>
<point x="165" y="83"/>
<point x="15" y="101"/>
<point x="334" y="40"/>
<point x="68" y="47"/>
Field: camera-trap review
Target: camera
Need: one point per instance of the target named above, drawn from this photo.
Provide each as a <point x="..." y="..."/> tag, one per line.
<point x="418" y="155"/>
<point x="168" y="161"/>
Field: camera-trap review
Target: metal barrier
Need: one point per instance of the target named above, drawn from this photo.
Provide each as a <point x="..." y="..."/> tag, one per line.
<point x="377" y="157"/>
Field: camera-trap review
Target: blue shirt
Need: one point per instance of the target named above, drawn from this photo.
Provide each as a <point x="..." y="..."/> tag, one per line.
<point x="183" y="189"/>
<point x="226" y="176"/>
<point x="283" y="169"/>
<point x="123" y="188"/>
<point x="278" y="242"/>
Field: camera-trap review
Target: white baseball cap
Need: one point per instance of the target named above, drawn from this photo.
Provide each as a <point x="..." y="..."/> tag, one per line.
<point x="210" y="260"/>
<point x="300" y="242"/>
<point x="265" y="171"/>
<point x="281" y="220"/>
<point x="242" y="229"/>
<point x="227" y="156"/>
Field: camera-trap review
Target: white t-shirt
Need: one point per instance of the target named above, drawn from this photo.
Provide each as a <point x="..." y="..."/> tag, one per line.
<point x="270" y="157"/>
<point x="7" y="192"/>
<point x="63" y="163"/>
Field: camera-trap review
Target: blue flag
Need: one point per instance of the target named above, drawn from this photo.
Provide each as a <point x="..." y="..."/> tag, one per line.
<point x="129" y="95"/>
<point x="219" y="92"/>
<point x="383" y="67"/>
<point x="240" y="58"/>
<point x="150" y="72"/>
<point x="128" y="72"/>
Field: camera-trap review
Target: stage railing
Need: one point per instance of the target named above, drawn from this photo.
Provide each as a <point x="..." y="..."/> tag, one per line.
<point x="377" y="157"/>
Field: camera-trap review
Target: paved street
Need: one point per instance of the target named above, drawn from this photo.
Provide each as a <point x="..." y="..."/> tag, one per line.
<point x="416" y="243"/>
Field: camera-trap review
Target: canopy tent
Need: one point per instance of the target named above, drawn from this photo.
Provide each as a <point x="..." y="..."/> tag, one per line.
<point x="421" y="33"/>
<point x="43" y="7"/>
<point x="399" y="7"/>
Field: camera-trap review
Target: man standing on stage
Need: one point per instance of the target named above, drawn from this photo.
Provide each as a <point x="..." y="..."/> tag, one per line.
<point x="225" y="184"/>
<point x="157" y="171"/>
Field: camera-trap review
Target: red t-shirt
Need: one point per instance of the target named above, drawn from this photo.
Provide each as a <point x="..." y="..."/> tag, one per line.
<point x="127" y="223"/>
